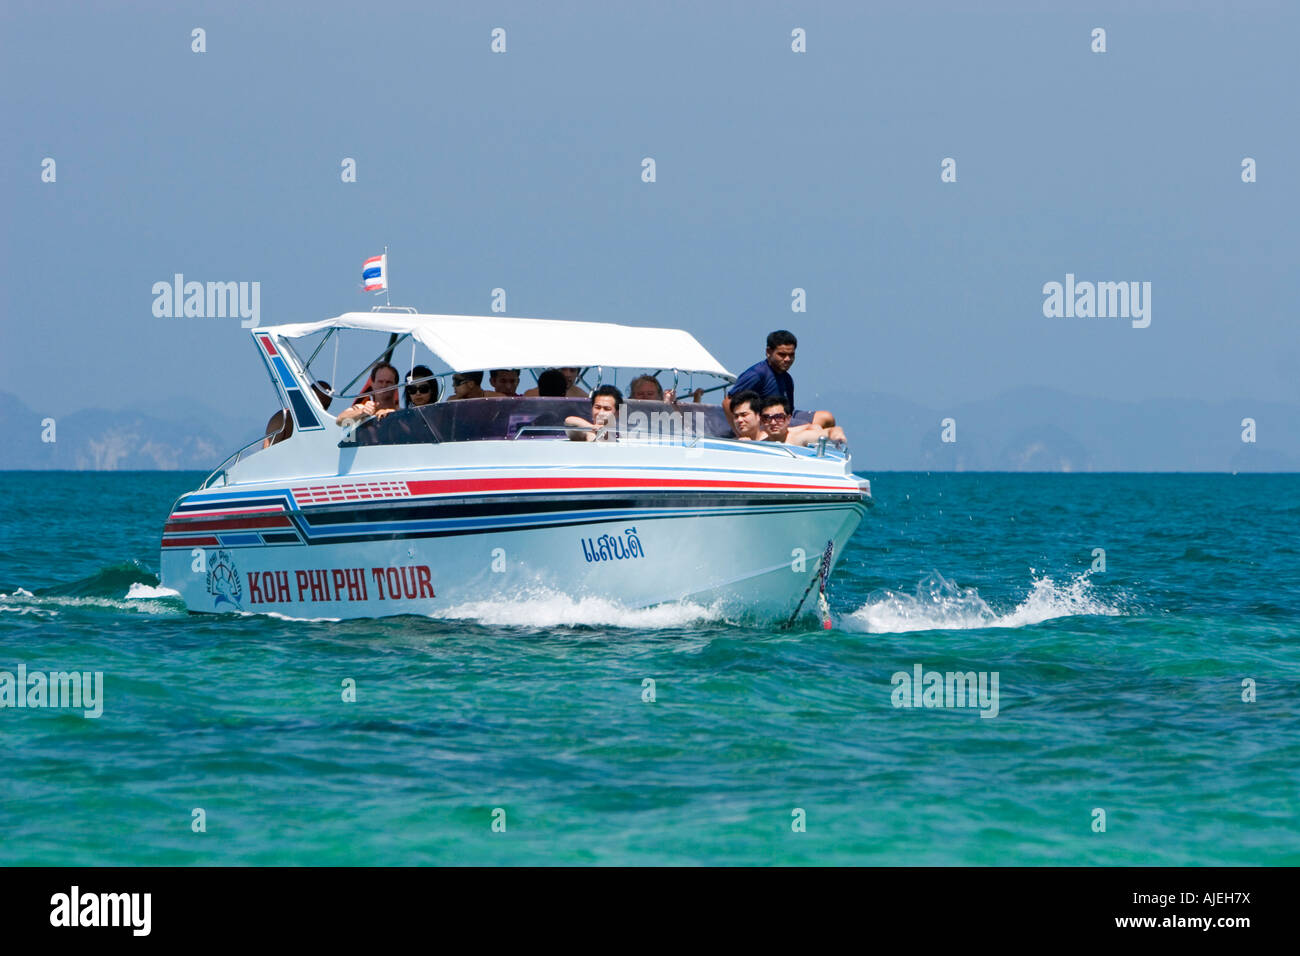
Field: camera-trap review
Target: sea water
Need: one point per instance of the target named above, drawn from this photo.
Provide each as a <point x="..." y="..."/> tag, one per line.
<point x="1142" y="633"/>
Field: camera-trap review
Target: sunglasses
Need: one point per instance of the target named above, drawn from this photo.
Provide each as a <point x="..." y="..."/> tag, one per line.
<point x="425" y="389"/>
<point x="773" y="418"/>
<point x="461" y="381"/>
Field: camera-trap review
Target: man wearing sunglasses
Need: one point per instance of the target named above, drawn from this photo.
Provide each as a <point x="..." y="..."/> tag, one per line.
<point x="468" y="385"/>
<point x="774" y="419"/>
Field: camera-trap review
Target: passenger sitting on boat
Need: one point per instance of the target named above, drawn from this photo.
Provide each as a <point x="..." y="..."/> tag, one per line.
<point x="570" y="389"/>
<point x="280" y="426"/>
<point x="775" y="421"/>
<point x="468" y="385"/>
<point x="604" y="416"/>
<point x="646" y="388"/>
<point x="772" y="376"/>
<point x="550" y="384"/>
<point x="744" y="415"/>
<point x="421" y="388"/>
<point x="504" y="382"/>
<point x="571" y="376"/>
<point x="377" y="399"/>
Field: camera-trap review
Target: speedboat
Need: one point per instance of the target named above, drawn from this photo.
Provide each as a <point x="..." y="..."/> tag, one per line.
<point x="429" y="508"/>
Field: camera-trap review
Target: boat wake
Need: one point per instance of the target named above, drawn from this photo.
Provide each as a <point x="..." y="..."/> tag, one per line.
<point x="120" y="587"/>
<point x="554" y="609"/>
<point x="938" y="604"/>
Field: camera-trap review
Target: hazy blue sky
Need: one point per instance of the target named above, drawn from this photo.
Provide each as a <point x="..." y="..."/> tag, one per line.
<point x="775" y="170"/>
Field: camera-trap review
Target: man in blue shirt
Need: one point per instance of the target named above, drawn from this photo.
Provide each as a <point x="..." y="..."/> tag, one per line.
<point x="772" y="377"/>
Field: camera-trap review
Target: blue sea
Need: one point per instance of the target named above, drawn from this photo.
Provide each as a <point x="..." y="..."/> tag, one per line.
<point x="1144" y="630"/>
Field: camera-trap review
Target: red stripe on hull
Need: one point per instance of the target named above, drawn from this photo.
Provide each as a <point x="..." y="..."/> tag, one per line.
<point x="228" y="524"/>
<point x="191" y="543"/>
<point x="458" y="486"/>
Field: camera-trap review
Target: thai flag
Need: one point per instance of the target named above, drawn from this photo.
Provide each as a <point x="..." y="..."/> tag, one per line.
<point x="375" y="273"/>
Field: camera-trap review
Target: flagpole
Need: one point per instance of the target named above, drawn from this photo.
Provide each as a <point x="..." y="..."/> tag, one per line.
<point x="387" y="282"/>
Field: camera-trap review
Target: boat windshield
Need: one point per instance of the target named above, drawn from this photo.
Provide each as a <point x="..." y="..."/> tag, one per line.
<point x="498" y="419"/>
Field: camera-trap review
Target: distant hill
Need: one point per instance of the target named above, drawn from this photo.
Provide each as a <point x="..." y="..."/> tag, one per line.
<point x="1026" y="429"/>
<point x="180" y="439"/>
<point x="1045" y="429"/>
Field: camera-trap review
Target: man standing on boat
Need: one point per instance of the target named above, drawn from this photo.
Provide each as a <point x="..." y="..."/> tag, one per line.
<point x="772" y="377"/>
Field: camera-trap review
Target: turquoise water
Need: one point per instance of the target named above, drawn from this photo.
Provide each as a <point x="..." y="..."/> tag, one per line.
<point x="1119" y="690"/>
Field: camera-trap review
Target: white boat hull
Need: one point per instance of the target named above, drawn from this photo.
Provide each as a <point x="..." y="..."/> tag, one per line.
<point x="731" y="526"/>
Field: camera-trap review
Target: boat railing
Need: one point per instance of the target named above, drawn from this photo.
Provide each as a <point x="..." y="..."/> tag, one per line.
<point x="627" y="439"/>
<point x="685" y="440"/>
<point x="225" y="466"/>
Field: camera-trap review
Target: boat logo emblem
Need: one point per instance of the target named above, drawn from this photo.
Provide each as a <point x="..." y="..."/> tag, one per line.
<point x="223" y="581"/>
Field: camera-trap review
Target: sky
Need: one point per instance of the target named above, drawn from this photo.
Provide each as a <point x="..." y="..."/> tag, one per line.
<point x="775" y="170"/>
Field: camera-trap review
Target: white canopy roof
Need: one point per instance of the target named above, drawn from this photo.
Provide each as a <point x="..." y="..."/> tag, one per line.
<point x="468" y="343"/>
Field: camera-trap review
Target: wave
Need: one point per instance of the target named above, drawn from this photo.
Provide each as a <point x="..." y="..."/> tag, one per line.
<point x="139" y="591"/>
<point x="123" y="587"/>
<point x="554" y="609"/>
<point x="938" y="604"/>
<point x="114" y="580"/>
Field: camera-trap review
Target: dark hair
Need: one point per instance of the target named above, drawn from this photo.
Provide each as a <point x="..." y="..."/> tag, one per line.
<point x="552" y="383"/>
<point x="747" y="397"/>
<point x="324" y="393"/>
<point x="369" y="388"/>
<point x="417" y="374"/>
<point x="475" y="377"/>
<point x="495" y="370"/>
<point x="608" y="390"/>
<point x="781" y="337"/>
<point x="397" y="376"/>
<point x="769" y="400"/>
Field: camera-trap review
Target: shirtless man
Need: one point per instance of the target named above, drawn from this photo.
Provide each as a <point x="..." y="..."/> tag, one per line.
<point x="468" y="385"/>
<point x="775" y="422"/>
<point x="604" y="416"/>
<point x="744" y="415"/>
<point x="570" y="378"/>
<point x="504" y="382"/>
<point x="381" y="398"/>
